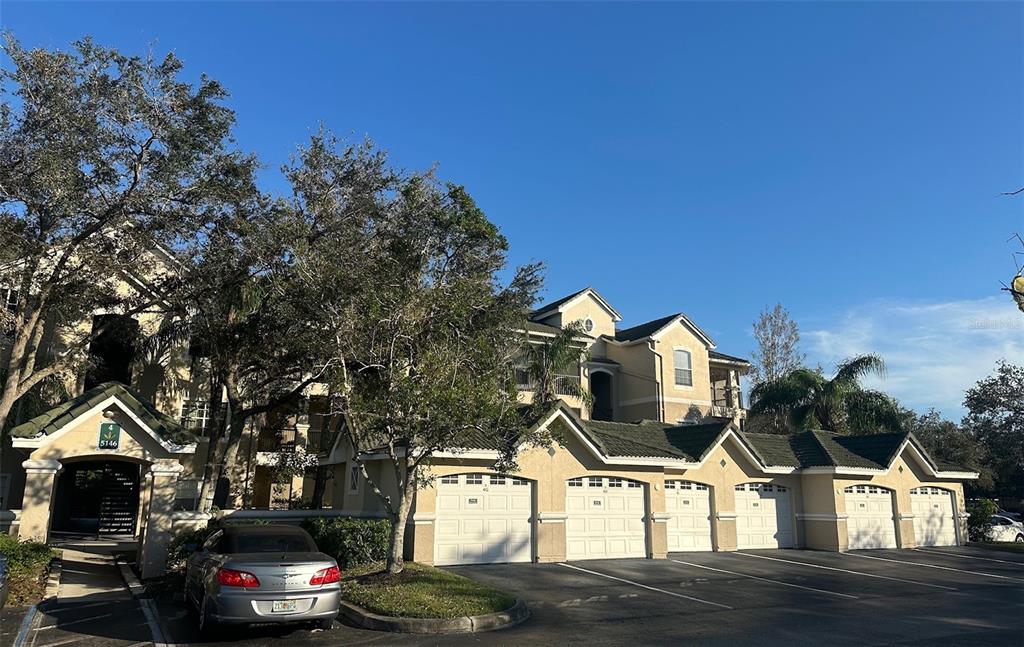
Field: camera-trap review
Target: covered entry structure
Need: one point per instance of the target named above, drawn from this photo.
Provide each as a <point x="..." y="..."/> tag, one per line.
<point x="106" y="462"/>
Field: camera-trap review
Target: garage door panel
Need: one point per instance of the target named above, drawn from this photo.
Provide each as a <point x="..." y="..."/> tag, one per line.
<point x="870" y="521"/>
<point x="689" y="507"/>
<point x="611" y="524"/>
<point x="934" y="521"/>
<point x="481" y="519"/>
<point x="763" y="516"/>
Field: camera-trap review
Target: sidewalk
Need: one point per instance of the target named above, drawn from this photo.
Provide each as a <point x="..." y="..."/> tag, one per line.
<point x="93" y="607"/>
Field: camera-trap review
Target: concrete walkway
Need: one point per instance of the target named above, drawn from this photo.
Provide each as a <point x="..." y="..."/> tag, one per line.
<point x="93" y="606"/>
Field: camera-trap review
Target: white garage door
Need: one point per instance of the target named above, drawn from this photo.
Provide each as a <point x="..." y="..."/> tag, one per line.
<point x="689" y="504"/>
<point x="764" y="517"/>
<point x="482" y="519"/>
<point x="869" y="520"/>
<point x="605" y="518"/>
<point x="934" y="523"/>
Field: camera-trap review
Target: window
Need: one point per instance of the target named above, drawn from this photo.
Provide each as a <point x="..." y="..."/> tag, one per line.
<point x="614" y="482"/>
<point x="195" y="414"/>
<point x="497" y="480"/>
<point x="450" y="479"/>
<point x="9" y="299"/>
<point x="519" y="481"/>
<point x="474" y="479"/>
<point x="353" y="479"/>
<point x="595" y="481"/>
<point x="684" y="367"/>
<point x="186" y="494"/>
<point x="634" y="484"/>
<point x="588" y="325"/>
<point x="576" y="482"/>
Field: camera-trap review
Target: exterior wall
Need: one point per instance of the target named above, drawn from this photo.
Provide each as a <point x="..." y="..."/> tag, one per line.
<point x="636" y="383"/>
<point x="683" y="402"/>
<point x="904" y="474"/>
<point x="821" y="522"/>
<point x="725" y="467"/>
<point x="588" y="308"/>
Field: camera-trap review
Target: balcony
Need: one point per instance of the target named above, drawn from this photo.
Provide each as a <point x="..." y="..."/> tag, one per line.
<point x="726" y="401"/>
<point x="564" y="384"/>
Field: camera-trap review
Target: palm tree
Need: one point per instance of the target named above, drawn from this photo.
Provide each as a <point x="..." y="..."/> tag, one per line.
<point x="811" y="400"/>
<point x="548" y="363"/>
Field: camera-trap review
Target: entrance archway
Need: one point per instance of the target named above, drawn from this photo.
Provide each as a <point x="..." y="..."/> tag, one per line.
<point x="97" y="498"/>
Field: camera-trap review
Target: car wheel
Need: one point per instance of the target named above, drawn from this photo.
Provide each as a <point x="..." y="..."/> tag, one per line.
<point x="1019" y="539"/>
<point x="208" y="625"/>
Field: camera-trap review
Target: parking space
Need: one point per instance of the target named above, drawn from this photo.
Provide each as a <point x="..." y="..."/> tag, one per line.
<point x="791" y="597"/>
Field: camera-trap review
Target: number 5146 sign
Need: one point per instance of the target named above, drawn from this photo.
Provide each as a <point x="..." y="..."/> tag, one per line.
<point x="110" y="435"/>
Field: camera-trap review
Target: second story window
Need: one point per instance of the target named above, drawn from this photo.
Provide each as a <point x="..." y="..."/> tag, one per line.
<point x="684" y="367"/>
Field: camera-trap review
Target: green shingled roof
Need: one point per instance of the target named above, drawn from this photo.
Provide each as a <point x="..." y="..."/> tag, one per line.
<point x="46" y="423"/>
<point x="650" y="439"/>
<point x="774" y="450"/>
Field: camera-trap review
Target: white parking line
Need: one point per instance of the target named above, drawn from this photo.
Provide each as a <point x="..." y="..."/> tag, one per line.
<point x="765" y="579"/>
<point x="74" y="622"/>
<point x="987" y="559"/>
<point x="942" y="568"/>
<point x="649" y="588"/>
<point x="161" y="638"/>
<point x="843" y="570"/>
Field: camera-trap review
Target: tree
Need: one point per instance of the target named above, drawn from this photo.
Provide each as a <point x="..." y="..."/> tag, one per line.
<point x="422" y="330"/>
<point x="778" y="339"/>
<point x="810" y="400"/>
<point x="547" y="360"/>
<point x="951" y="443"/>
<point x="105" y="160"/>
<point x="995" y="416"/>
<point x="1016" y="286"/>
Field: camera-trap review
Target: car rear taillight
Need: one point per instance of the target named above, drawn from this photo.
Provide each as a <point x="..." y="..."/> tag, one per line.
<point x="229" y="577"/>
<point x="326" y="576"/>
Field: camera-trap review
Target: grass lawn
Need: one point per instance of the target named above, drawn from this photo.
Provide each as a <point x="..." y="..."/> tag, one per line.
<point x="1012" y="546"/>
<point x="420" y="592"/>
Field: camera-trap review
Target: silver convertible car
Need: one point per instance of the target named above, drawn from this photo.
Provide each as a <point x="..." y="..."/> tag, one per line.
<point x="261" y="574"/>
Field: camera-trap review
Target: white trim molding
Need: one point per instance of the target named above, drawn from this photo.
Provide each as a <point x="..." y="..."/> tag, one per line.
<point x="423" y="519"/>
<point x="552" y="517"/>
<point x="660" y="517"/>
<point x="905" y="516"/>
<point x="41" y="466"/>
<point x="821" y="516"/>
<point x="726" y="516"/>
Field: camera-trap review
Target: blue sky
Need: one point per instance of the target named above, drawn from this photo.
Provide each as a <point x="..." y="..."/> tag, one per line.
<point x="843" y="159"/>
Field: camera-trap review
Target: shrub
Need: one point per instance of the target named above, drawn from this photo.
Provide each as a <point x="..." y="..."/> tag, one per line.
<point x="980" y="521"/>
<point x="350" y="541"/>
<point x="182" y="546"/>
<point x="27" y="565"/>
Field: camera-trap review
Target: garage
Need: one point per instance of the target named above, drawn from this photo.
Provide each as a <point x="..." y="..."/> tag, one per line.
<point x="869" y="517"/>
<point x="934" y="522"/>
<point x="764" y="516"/>
<point x="605" y="518"/>
<point x="689" y="507"/>
<point x="483" y="519"/>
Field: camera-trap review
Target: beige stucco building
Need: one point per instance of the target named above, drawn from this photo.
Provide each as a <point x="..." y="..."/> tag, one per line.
<point x="659" y="464"/>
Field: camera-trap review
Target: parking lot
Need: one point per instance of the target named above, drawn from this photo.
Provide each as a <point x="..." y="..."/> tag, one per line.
<point x="946" y="596"/>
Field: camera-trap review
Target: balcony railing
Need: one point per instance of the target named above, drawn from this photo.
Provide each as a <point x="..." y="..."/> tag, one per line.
<point x="726" y="397"/>
<point x="564" y="384"/>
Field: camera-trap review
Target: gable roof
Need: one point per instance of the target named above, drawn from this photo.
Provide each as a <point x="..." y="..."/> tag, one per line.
<point x="548" y="309"/>
<point x="165" y="427"/>
<point x="652" y="328"/>
<point x="714" y="354"/>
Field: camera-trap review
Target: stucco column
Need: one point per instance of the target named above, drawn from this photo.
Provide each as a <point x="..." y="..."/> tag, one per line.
<point x="550" y="529"/>
<point x="37" y="504"/>
<point x="161" y="481"/>
<point x="723" y="517"/>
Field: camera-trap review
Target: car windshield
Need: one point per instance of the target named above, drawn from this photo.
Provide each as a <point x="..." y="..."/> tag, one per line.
<point x="272" y="543"/>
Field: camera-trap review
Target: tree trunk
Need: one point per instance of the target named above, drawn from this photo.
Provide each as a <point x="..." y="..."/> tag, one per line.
<point x="319" y="486"/>
<point x="406" y="489"/>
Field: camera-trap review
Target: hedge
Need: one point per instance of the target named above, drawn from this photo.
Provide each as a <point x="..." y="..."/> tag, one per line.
<point x="350" y="541"/>
<point x="27" y="565"/>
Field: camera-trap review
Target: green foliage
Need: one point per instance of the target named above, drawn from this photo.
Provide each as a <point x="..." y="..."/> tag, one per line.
<point x="955" y="444"/>
<point x="27" y="564"/>
<point x="183" y="545"/>
<point x="995" y="417"/>
<point x="546" y="361"/>
<point x="980" y="521"/>
<point x="423" y="592"/>
<point x="810" y="400"/>
<point x="350" y="541"/>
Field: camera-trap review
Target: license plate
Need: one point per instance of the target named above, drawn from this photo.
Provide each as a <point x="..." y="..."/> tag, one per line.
<point x="281" y="606"/>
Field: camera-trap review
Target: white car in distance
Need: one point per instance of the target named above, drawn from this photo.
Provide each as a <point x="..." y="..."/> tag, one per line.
<point x="1005" y="529"/>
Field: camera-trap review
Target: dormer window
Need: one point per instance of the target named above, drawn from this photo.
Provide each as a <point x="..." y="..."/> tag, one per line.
<point x="683" y="367"/>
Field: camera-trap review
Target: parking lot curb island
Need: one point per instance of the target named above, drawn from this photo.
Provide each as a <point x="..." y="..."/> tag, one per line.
<point x="360" y="617"/>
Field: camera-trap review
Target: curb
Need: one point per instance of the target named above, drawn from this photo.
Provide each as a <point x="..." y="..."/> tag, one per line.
<point x="360" y="617"/>
<point x="53" y="579"/>
<point x="135" y="587"/>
